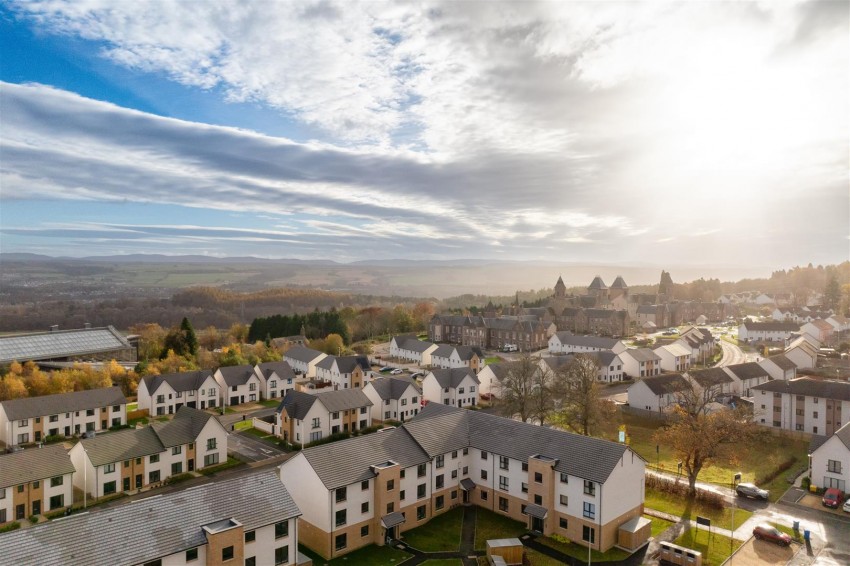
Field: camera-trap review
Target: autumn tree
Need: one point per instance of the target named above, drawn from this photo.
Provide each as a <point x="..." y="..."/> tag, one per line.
<point x="582" y="408"/>
<point x="516" y="389"/>
<point x="699" y="435"/>
<point x="832" y="292"/>
<point x="151" y="340"/>
<point x="12" y="387"/>
<point x="238" y="333"/>
<point x="422" y="314"/>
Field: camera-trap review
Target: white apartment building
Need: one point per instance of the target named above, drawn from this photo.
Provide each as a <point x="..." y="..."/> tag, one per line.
<point x="803" y="404"/>
<point x="302" y="417"/>
<point x="345" y="372"/>
<point x="277" y="378"/>
<point x="767" y="331"/>
<point x="410" y="348"/>
<point x="303" y="360"/>
<point x="165" y="394"/>
<point x="674" y="357"/>
<point x="565" y="342"/>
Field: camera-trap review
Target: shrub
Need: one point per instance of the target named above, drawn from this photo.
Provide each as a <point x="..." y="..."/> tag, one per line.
<point x="806" y="483"/>
<point x="784" y="466"/>
<point x="51" y="438"/>
<point x="179" y="478"/>
<point x="10" y="527"/>
<point x="119" y="427"/>
<point x="680" y="489"/>
<point x="34" y="519"/>
<point x="371" y="429"/>
<point x="559" y="538"/>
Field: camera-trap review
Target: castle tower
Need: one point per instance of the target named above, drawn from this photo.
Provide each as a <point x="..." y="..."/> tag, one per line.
<point x="618" y="289"/>
<point x="560" y="289"/>
<point x="598" y="289"/>
<point x="665" y="288"/>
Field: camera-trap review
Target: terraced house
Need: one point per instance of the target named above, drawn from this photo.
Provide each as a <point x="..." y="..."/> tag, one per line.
<point x="31" y="419"/>
<point x="277" y="378"/>
<point x="129" y="460"/>
<point x="35" y="481"/>
<point x="238" y="384"/>
<point x="250" y="520"/>
<point x="165" y="394"/>
<point x="364" y="490"/>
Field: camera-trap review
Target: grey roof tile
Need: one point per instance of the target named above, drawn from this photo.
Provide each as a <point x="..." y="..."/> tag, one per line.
<point x="302" y="354"/>
<point x="343" y="399"/>
<point x="236" y="375"/>
<point x="453" y="376"/>
<point x="28" y="407"/>
<point x="122" y="445"/>
<point x="183" y="381"/>
<point x="296" y="403"/>
<point x="587" y="341"/>
<point x="827" y="389"/>
<point x="281" y="368"/>
<point x="392" y="387"/>
<point x="34" y="464"/>
<point x="666" y="383"/>
<point x="748" y="370"/>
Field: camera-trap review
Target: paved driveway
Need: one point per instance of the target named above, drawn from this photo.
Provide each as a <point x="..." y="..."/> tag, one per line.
<point x="763" y="553"/>
<point x="250" y="448"/>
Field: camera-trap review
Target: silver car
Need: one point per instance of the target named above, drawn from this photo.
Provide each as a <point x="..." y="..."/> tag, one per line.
<point x="751" y="490"/>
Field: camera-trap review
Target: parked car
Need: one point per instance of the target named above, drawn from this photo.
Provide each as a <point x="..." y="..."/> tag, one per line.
<point x="833" y="498"/>
<point x="386" y="369"/>
<point x="771" y="534"/>
<point x="88" y="434"/>
<point x="751" y="490"/>
<point x="396" y="371"/>
<point x="846" y="507"/>
<point x="417" y="375"/>
<point x="13" y="449"/>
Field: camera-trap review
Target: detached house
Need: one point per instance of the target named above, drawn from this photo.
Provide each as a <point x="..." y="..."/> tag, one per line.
<point x="165" y="394"/>
<point x="674" y="357"/>
<point x="829" y="460"/>
<point x="803" y="404"/>
<point x="35" y="481"/>
<point x="641" y="362"/>
<point x="409" y="347"/>
<point x="779" y="367"/>
<point x="447" y="357"/>
<point x="277" y="378"/>
<point x="31" y="419"/>
<point x="303" y="360"/>
<point x="491" y="378"/>
<point x="370" y="489"/>
<point x="818" y="329"/>
<point x="457" y="387"/>
<point x="565" y="342"/>
<point x="238" y="384"/>
<point x="747" y="376"/>
<point x="393" y="398"/>
<point x="134" y="459"/>
<point x="803" y="351"/>
<point x="657" y="393"/>
<point x="345" y="372"/>
<point x="302" y="418"/>
<point x="250" y="520"/>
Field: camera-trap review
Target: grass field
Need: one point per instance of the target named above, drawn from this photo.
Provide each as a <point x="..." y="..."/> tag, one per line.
<point x="439" y="534"/>
<point x="242" y="425"/>
<point x="691" y="510"/>
<point x="489" y="525"/>
<point x="715" y="548"/>
<point x="580" y="552"/>
<point x="371" y="555"/>
<point x="658" y="525"/>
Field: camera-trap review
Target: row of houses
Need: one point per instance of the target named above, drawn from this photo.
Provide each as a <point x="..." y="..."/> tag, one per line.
<point x="40" y="480"/>
<point x="527" y="333"/>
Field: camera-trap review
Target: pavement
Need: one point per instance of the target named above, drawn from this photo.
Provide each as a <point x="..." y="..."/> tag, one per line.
<point x="250" y="448"/>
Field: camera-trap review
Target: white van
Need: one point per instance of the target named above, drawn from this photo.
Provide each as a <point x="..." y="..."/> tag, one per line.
<point x="510" y="348"/>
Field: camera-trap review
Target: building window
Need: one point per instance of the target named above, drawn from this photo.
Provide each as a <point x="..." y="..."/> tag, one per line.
<point x="341" y="541"/>
<point x="454" y="494"/>
<point x="465" y="451"/>
<point x="564" y="478"/>
<point x="466" y="470"/>
<point x="483" y="496"/>
<point x="364" y="531"/>
<point x="483" y="474"/>
<point x="56" y="502"/>
<point x="341" y="494"/>
<point x="281" y="555"/>
<point x="154" y="458"/>
<point x="562" y="522"/>
<point x="440" y="482"/>
<point x="589" y="510"/>
<point x="334" y="416"/>
<point x="390" y="485"/>
<point x="176" y="450"/>
<point x="211" y="459"/>
<point x="316" y="422"/>
<point x="503" y="504"/>
<point x="390" y="507"/>
<point x="834" y="466"/>
<point x="341" y="517"/>
<point x="364" y="485"/>
<point x="483" y="455"/>
<point x="589" y="487"/>
<point x="439" y="502"/>
<point x="564" y="500"/>
<point x="420" y="470"/>
<point x="440" y="461"/>
<point x="401" y="495"/>
<point x="525" y="466"/>
<point x="538" y="499"/>
<point x="524" y="487"/>
<point x="250" y="536"/>
<point x="108" y="488"/>
<point x="191" y="554"/>
<point x="588" y="534"/>
<point x="503" y="483"/>
<point x="420" y="512"/>
<point x="815" y="415"/>
<point x="59" y="480"/>
<point x="364" y="507"/>
<point x="211" y="444"/>
<point x="226" y="553"/>
<point x="503" y="462"/>
<point x="176" y="468"/>
<point x="420" y="491"/>
<point x="538" y="477"/>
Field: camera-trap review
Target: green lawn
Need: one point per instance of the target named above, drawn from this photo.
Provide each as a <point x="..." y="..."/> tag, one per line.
<point x="133" y="422"/>
<point x="371" y="555"/>
<point x="441" y="533"/>
<point x="537" y="559"/>
<point x="132" y="407"/>
<point x="489" y="525"/>
<point x="261" y="434"/>
<point x="231" y="463"/>
<point x="659" y="525"/>
<point x="445" y="562"/>
<point x="243" y="425"/>
<point x="492" y="360"/>
<point x="272" y="403"/>
<point x="675" y="505"/>
<point x="715" y="548"/>
<point x="756" y="461"/>
<point x="580" y="552"/>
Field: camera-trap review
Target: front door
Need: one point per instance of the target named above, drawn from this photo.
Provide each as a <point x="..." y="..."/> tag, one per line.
<point x="191" y="404"/>
<point x="67" y="431"/>
<point x="537" y="524"/>
<point x="191" y="464"/>
<point x="203" y="405"/>
<point x="36" y="507"/>
<point x="465" y="497"/>
<point x="234" y="400"/>
<point x="127" y="484"/>
<point x="103" y="425"/>
<point x="139" y="479"/>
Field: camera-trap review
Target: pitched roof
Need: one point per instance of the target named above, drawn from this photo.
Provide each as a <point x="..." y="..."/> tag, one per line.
<point x="647" y="309"/>
<point x="236" y="375"/>
<point x="666" y="383"/>
<point x="452" y="377"/>
<point x="282" y="369"/>
<point x="34" y="464"/>
<point x="183" y="381"/>
<point x="836" y="390"/>
<point x="345" y="364"/>
<point x="296" y="403"/>
<point x="556" y="362"/>
<point x="443" y="351"/>
<point x="587" y="341"/>
<point x="28" y="407"/>
<point x="343" y="399"/>
<point x="412" y="343"/>
<point x="674" y="349"/>
<point x="597" y="283"/>
<point x="348" y="461"/>
<point x="642" y="354"/>
<point x="500" y="369"/>
<point x="392" y="387"/>
<point x="60" y="344"/>
<point x="710" y="377"/>
<point x="122" y="445"/>
<point x="783" y="362"/>
<point x="771" y="326"/>
<point x="153" y="527"/>
<point x="619" y="283"/>
<point x="184" y="428"/>
<point x="748" y="370"/>
<point x="465" y="353"/>
<point x="302" y="354"/>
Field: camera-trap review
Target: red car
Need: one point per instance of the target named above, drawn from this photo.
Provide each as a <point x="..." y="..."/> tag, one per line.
<point x="833" y="498"/>
<point x="772" y="534"/>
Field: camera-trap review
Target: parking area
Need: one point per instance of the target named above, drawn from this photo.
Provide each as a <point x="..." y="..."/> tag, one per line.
<point x="813" y="501"/>
<point x="250" y="448"/>
<point x="763" y="553"/>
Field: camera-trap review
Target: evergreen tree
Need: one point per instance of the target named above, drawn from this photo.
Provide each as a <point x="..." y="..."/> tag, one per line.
<point x="191" y="339"/>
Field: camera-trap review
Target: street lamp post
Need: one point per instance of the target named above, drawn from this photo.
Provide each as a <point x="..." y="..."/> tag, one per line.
<point x="735" y="479"/>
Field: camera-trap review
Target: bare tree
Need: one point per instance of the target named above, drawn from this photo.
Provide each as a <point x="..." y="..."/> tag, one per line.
<point x="517" y="388"/>
<point x="582" y="409"/>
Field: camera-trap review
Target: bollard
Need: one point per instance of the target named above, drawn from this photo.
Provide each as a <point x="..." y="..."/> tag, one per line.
<point x="796" y="526"/>
<point x="806" y="535"/>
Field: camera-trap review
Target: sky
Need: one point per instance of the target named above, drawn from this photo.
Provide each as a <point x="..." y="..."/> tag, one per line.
<point x="685" y="133"/>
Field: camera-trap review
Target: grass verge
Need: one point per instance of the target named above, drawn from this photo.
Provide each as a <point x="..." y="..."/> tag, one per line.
<point x="659" y="525"/>
<point x="442" y="533"/>
<point x="231" y="463"/>
<point x="580" y="552"/>
<point x="489" y="525"/>
<point x="715" y="548"/>
<point x="371" y="555"/>
<point x="674" y="505"/>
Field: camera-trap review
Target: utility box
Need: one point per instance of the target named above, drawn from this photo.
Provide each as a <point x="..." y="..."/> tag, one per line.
<point x="679" y="555"/>
<point x="509" y="549"/>
<point x="634" y="533"/>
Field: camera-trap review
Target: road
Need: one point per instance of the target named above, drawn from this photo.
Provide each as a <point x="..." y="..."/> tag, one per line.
<point x="732" y="354"/>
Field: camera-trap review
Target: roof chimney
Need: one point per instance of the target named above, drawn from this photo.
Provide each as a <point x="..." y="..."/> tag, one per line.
<point x="54" y="328"/>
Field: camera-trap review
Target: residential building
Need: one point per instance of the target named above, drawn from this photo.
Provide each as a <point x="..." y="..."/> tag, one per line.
<point x="640" y="362"/>
<point x="712" y="382"/>
<point x="779" y="367"/>
<point x="302" y="418"/>
<point x="368" y="489"/>
<point x="658" y="393"/>
<point x="766" y="331"/>
<point x="277" y="378"/>
<point x="839" y="323"/>
<point x="457" y="387"/>
<point x="410" y="348"/>
<point x="303" y="360"/>
<point x="249" y="520"/>
<point x="393" y="398"/>
<point x="674" y="357"/>
<point x="447" y="357"/>
<point x="238" y="385"/>
<point x="611" y="366"/>
<point x="31" y="419"/>
<point x="527" y="333"/>
<point x="829" y="460"/>
<point x="818" y="329"/>
<point x="78" y="345"/>
<point x="804" y="404"/>
<point x="345" y="372"/>
<point x="803" y="351"/>
<point x="134" y="459"/>
<point x="700" y="341"/>
<point x="165" y="394"/>
<point x="568" y="343"/>
<point x="35" y="481"/>
<point x="747" y="376"/>
<point x="491" y="378"/>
